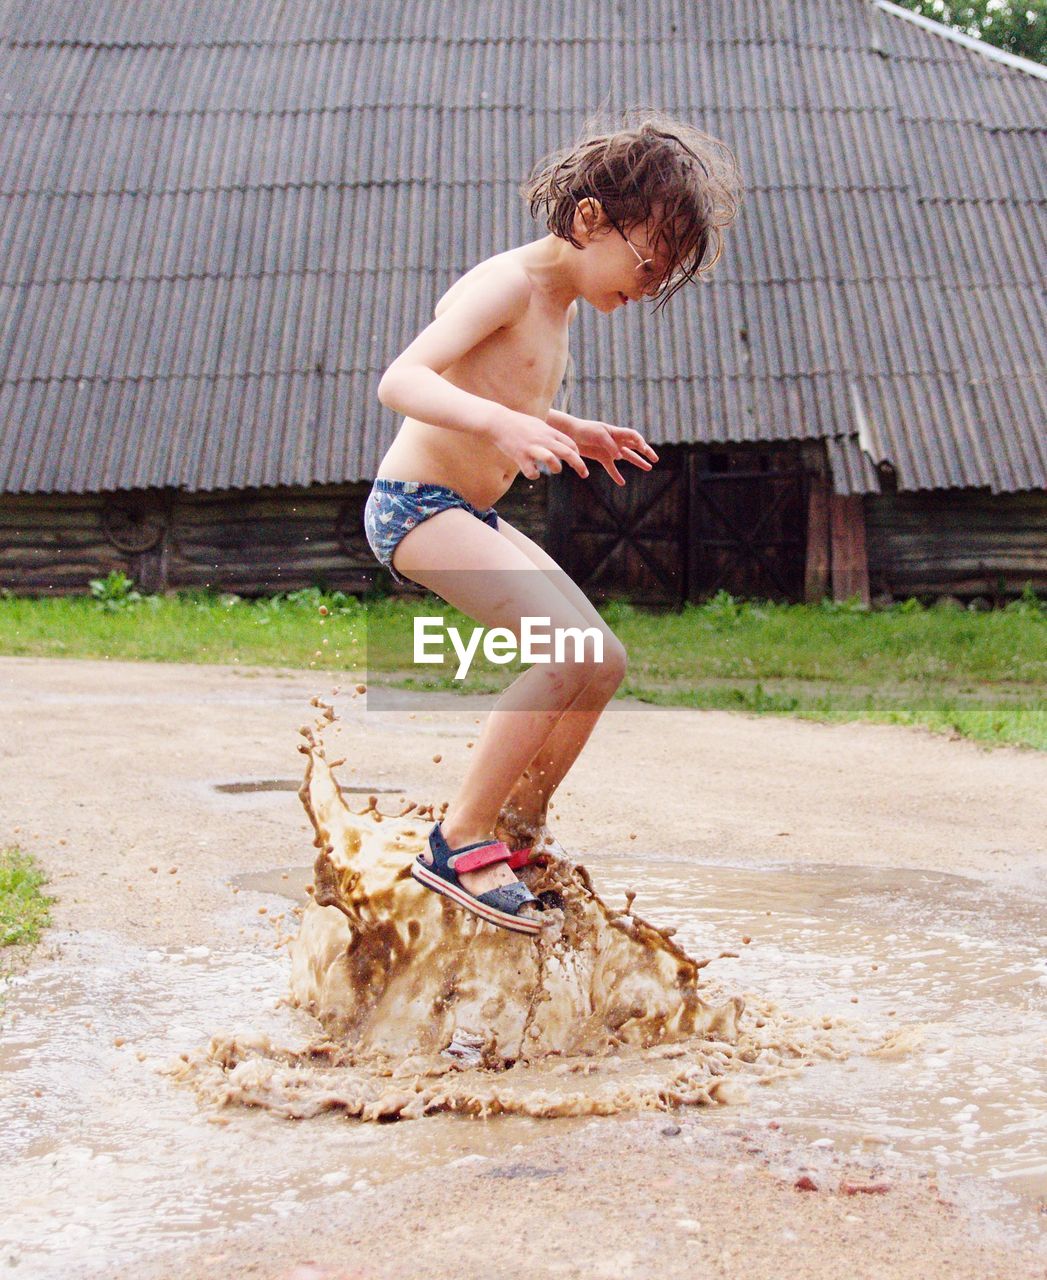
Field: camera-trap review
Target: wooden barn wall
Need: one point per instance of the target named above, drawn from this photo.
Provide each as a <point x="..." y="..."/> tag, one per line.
<point x="54" y="544"/>
<point x="260" y="541"/>
<point x="958" y="542"/>
<point x="249" y="541"/>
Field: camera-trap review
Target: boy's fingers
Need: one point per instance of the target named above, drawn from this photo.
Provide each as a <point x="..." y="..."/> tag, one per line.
<point x="636" y="441"/>
<point x="635" y="459"/>
<point x="614" y="473"/>
<point x="569" y="453"/>
<point x="628" y="438"/>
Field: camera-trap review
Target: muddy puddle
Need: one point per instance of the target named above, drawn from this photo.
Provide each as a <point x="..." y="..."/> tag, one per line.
<point x="949" y="974"/>
<point x="103" y="1157"/>
<point x="956" y="968"/>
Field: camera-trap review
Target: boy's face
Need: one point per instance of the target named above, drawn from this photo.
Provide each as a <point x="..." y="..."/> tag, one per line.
<point x="618" y="266"/>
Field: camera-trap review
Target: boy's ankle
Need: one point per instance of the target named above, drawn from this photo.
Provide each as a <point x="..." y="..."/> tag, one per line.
<point x="457" y="834"/>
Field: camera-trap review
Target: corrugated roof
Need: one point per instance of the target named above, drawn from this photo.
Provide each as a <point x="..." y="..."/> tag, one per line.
<point x="220" y="220"/>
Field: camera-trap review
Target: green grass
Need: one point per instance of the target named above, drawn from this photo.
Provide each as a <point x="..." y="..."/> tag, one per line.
<point x="24" y="910"/>
<point x="982" y="675"/>
<point x="997" y="721"/>
<point x="193" y="627"/>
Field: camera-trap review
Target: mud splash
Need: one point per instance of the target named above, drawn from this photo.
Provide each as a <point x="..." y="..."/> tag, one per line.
<point x="426" y="1009"/>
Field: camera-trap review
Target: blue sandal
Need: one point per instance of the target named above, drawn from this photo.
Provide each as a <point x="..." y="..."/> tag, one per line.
<point x="497" y="906"/>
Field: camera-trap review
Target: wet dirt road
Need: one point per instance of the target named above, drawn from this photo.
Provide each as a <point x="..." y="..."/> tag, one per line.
<point x="882" y="875"/>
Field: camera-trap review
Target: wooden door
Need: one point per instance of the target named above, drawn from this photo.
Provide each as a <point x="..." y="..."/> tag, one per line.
<point x="748" y="523"/>
<point x="703" y="520"/>
<point x="624" y="542"/>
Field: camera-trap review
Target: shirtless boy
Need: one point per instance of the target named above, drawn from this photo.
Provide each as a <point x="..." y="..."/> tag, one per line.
<point x="632" y="214"/>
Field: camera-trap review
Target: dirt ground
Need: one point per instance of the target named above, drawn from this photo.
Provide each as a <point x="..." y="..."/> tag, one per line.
<point x="108" y="774"/>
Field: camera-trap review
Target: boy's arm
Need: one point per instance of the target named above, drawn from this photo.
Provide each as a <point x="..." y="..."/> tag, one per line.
<point x="413" y="385"/>
<point x="561" y="421"/>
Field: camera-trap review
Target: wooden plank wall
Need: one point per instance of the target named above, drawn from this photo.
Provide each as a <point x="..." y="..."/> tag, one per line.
<point x="964" y="542"/>
<point x="850" y="564"/>
<point x="260" y="541"/>
<point x="53" y="545"/>
<point x="818" y="561"/>
<point x="253" y="542"/>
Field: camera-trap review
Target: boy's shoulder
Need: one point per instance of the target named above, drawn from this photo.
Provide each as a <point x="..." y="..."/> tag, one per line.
<point x="503" y="274"/>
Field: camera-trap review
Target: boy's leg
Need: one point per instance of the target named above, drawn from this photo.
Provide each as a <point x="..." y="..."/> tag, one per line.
<point x="500" y="587"/>
<point x="529" y="799"/>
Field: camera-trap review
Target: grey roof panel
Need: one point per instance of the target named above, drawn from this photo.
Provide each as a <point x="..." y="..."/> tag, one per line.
<point x="35" y="78"/>
<point x="834" y="24"/>
<point x="29" y="145"/>
<point x="201" y="206"/>
<point x="850" y="467"/>
<point x="146" y="21"/>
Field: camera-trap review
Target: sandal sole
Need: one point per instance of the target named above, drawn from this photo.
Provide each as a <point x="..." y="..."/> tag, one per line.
<point x="501" y="919"/>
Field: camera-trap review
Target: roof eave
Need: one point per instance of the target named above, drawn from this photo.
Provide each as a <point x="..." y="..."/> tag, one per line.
<point x="970" y="42"/>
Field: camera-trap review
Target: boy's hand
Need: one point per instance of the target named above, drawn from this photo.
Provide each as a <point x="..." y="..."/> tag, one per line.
<point x="607" y="445"/>
<point x="534" y="446"/>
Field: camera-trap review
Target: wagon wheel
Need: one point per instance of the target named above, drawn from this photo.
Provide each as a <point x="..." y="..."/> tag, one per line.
<point x="131" y="530"/>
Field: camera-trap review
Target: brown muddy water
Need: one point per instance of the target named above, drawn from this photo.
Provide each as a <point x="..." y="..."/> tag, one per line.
<point x="104" y="1158"/>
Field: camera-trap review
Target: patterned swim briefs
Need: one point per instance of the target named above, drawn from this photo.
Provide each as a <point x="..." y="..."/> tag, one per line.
<point x="395" y="507"/>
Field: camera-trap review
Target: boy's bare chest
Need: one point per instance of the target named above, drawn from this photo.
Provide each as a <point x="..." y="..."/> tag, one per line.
<point x="527" y="360"/>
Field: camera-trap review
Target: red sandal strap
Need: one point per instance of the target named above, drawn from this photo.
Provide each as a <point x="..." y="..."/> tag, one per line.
<point x="485" y="856"/>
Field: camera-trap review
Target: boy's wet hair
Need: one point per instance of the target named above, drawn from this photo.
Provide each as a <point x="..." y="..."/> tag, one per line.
<point x="650" y="169"/>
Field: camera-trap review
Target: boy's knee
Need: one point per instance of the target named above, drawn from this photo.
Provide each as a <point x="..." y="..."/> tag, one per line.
<point x="574" y="658"/>
<point x="602" y="660"/>
<point x="608" y="671"/>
